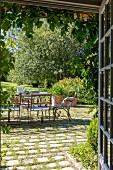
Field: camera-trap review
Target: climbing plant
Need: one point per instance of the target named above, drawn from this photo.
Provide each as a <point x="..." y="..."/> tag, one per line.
<point x="84" y="30"/>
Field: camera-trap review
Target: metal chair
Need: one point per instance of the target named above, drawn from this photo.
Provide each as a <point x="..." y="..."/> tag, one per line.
<point x="65" y="105"/>
<point x="11" y="108"/>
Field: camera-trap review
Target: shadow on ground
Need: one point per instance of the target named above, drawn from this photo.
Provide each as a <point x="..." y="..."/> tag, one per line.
<point x="50" y="126"/>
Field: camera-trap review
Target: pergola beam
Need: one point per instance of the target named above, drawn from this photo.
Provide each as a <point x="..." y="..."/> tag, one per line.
<point x="78" y="5"/>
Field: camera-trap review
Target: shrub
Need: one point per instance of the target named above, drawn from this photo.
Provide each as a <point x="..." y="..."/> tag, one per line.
<point x="72" y="85"/>
<point x="86" y="155"/>
<point x="93" y="134"/>
<point x="57" y="90"/>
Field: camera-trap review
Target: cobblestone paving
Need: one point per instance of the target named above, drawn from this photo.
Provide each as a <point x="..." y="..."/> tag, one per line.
<point x="43" y="146"/>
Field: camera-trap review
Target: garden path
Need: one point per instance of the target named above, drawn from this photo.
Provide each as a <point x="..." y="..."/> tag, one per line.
<point x="44" y="145"/>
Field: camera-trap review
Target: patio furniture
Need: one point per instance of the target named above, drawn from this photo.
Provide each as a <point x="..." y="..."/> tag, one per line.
<point x="11" y="108"/>
<point x="65" y="105"/>
<point x="37" y="102"/>
<point x="20" y="90"/>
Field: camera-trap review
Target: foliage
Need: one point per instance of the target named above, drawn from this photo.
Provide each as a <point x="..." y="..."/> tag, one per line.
<point x="6" y="61"/>
<point x="86" y="155"/>
<point x="72" y="85"/>
<point x="85" y="33"/>
<point x="5" y="129"/>
<point x="50" y="53"/>
<point x="86" y="61"/>
<point x="93" y="134"/>
<point x="57" y="90"/>
<point x="21" y="16"/>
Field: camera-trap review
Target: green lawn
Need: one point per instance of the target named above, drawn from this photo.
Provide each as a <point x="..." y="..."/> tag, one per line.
<point x="7" y="85"/>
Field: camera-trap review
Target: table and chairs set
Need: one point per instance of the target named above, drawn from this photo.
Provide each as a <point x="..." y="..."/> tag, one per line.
<point x="29" y="101"/>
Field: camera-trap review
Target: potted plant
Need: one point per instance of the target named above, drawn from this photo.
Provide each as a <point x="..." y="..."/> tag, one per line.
<point x="58" y="93"/>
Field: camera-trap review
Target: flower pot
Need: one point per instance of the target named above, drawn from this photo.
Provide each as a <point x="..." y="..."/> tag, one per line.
<point x="74" y="103"/>
<point x="57" y="99"/>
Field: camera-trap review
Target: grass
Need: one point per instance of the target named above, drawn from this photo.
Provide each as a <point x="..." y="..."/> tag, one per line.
<point x="7" y="85"/>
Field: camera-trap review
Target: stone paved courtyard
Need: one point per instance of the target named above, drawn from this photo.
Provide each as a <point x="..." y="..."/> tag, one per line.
<point x="43" y="146"/>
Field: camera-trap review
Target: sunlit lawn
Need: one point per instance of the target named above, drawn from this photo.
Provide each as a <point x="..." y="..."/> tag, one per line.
<point x="7" y="85"/>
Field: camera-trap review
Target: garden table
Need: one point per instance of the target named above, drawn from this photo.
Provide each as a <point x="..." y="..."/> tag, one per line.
<point x="36" y="101"/>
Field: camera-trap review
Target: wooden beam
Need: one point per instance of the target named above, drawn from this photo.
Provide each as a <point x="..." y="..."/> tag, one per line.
<point x="79" y="5"/>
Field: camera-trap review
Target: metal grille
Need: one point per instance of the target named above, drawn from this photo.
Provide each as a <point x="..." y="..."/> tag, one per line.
<point x="106" y="86"/>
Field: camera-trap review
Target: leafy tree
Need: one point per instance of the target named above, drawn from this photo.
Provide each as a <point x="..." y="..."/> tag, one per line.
<point x="43" y="57"/>
<point x="25" y="17"/>
<point x="85" y="62"/>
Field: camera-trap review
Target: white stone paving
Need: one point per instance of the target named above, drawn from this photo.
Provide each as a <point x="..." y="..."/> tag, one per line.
<point x="51" y="165"/>
<point x="44" y="149"/>
<point x="12" y="162"/>
<point x="43" y="159"/>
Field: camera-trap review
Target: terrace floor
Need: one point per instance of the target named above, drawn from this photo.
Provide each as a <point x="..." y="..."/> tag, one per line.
<point x="44" y="145"/>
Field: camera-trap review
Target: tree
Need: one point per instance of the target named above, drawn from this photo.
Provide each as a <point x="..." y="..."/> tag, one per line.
<point x="25" y="17"/>
<point x="42" y="56"/>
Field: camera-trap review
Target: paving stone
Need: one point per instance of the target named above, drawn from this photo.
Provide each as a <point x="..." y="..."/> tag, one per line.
<point x="54" y="141"/>
<point x="20" y="152"/>
<point x="21" y="156"/>
<point x="32" y="151"/>
<point x="55" y="145"/>
<point x="60" y="153"/>
<point x="51" y="165"/>
<point x="14" y="137"/>
<point x="43" y="150"/>
<point x="42" y="146"/>
<point x="68" y="144"/>
<point x="28" y="144"/>
<point x="9" y="153"/>
<point x="64" y="163"/>
<point x="67" y="168"/>
<point x="44" y="159"/>
<point x="33" y="140"/>
<point x="21" y="168"/>
<point x="68" y="141"/>
<point x="71" y="134"/>
<point x="42" y="143"/>
<point x="17" y="145"/>
<point x="60" y="138"/>
<point x="27" y="161"/>
<point x="9" y="168"/>
<point x="79" y="137"/>
<point x="8" y="157"/>
<point x="60" y="134"/>
<point x="58" y="157"/>
<point x="16" y="148"/>
<point x="65" y="148"/>
<point x="4" y="149"/>
<point x="48" y="139"/>
<point x="32" y="156"/>
<point x="29" y="147"/>
<point x="12" y="162"/>
<point x="36" y="166"/>
<point x="22" y="140"/>
<point x="53" y="150"/>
